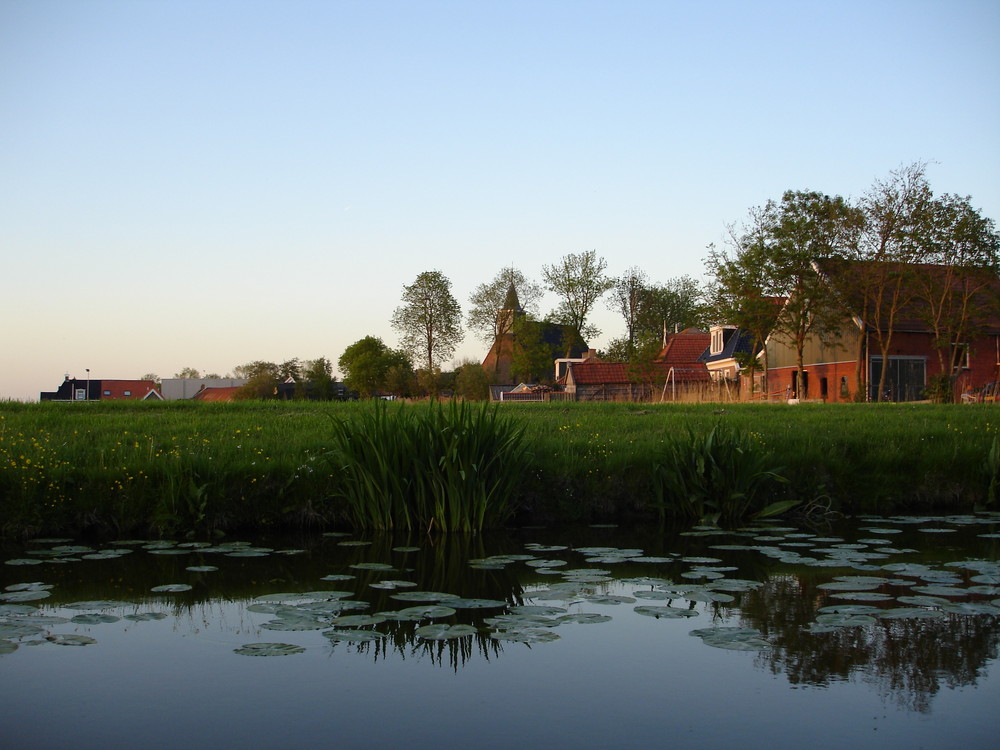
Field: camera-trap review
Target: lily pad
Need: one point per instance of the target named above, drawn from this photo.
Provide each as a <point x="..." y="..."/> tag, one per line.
<point x="353" y="636"/>
<point x="354" y="621"/>
<point x="24" y="596"/>
<point x="171" y="588"/>
<point x="732" y="638"/>
<point x="429" y="612"/>
<point x="93" y="618"/>
<point x="440" y="632"/>
<point x="18" y="630"/>
<point x="585" y="618"/>
<point x="526" y="635"/>
<point x="671" y="613"/>
<point x="70" y="640"/>
<point x="269" y="649"/>
<point x="422" y="596"/>
<point x="146" y="616"/>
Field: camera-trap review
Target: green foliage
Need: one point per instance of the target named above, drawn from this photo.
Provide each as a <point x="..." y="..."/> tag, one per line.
<point x="993" y="472"/>
<point x="369" y="365"/>
<point x="429" y="320"/>
<point x="579" y="281"/>
<point x="128" y="467"/>
<point x="718" y="477"/>
<point x="939" y="389"/>
<point x="472" y="382"/>
<point x="490" y="300"/>
<point x="450" y="468"/>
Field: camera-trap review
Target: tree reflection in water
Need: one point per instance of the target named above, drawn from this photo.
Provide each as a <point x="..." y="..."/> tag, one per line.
<point x="907" y="660"/>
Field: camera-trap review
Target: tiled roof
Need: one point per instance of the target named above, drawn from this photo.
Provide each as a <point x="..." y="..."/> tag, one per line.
<point x="739" y="342"/>
<point x="685" y="347"/>
<point x="217" y="394"/>
<point x="618" y="373"/>
<point x="844" y="276"/>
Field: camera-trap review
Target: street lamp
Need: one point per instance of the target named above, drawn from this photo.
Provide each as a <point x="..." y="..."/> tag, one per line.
<point x="86" y="396"/>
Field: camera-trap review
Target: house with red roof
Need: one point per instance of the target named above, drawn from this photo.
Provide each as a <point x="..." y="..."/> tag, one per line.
<point x="677" y="369"/>
<point x="102" y="389"/>
<point x="897" y="309"/>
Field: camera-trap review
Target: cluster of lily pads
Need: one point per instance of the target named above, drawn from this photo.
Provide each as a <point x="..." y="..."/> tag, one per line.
<point x="568" y="586"/>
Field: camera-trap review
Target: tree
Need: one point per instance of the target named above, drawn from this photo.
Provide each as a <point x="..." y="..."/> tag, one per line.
<point x="188" y="372"/>
<point x="892" y="212"/>
<point x="257" y="369"/>
<point x="626" y="298"/>
<point x="580" y="281"/>
<point x="491" y="315"/>
<point x="536" y="346"/>
<point x="429" y="321"/>
<point x="955" y="283"/>
<point x="472" y="382"/>
<point x="367" y="364"/>
<point x="290" y="369"/>
<point x="675" y="305"/>
<point x="319" y="375"/>
<point x="773" y="256"/>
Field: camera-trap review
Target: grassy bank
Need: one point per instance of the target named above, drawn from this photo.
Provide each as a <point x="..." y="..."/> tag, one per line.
<point x="185" y="467"/>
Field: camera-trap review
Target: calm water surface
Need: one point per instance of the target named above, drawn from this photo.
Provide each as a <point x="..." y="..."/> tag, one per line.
<point x="878" y="633"/>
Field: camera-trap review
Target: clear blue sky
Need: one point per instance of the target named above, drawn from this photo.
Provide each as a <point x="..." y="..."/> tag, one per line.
<point x="204" y="184"/>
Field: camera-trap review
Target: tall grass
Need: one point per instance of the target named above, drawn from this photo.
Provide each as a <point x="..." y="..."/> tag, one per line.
<point x="447" y="467"/>
<point x="177" y="467"/>
<point x="722" y="476"/>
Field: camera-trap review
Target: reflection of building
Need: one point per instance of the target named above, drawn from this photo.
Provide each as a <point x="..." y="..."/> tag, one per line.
<point x="92" y="389"/>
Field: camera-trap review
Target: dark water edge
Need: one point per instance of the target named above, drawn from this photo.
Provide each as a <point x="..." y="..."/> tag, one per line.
<point x="631" y="681"/>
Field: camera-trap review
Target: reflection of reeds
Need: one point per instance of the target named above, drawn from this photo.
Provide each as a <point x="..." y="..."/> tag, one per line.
<point x="447" y="468"/>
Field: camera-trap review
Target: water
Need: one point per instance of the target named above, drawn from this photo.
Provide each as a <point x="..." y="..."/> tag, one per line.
<point x="594" y="672"/>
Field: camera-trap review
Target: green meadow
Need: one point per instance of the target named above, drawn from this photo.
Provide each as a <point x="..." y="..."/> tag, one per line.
<point x="184" y="468"/>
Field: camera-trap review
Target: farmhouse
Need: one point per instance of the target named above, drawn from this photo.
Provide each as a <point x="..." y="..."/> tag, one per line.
<point x="921" y="323"/>
<point x="87" y="389"/>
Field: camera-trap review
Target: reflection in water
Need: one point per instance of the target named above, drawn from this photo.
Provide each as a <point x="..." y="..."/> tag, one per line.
<point x="908" y="660"/>
<point x="766" y="580"/>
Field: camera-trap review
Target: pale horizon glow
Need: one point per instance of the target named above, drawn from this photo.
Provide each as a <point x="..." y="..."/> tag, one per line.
<point x="190" y="184"/>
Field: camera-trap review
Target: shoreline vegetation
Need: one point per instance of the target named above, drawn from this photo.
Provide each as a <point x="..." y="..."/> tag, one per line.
<point x="187" y="469"/>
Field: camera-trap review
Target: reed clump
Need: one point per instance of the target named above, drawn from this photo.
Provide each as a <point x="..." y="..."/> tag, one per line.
<point x="719" y="477"/>
<point x="446" y="467"/>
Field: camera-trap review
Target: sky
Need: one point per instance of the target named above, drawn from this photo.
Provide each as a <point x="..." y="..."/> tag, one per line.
<point x="205" y="184"/>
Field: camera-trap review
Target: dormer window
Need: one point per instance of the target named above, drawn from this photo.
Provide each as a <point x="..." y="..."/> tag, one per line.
<point x="717" y="341"/>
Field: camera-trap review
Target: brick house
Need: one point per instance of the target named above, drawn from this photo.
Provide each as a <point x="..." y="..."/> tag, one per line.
<point x="831" y="366"/>
<point x="92" y="389"/>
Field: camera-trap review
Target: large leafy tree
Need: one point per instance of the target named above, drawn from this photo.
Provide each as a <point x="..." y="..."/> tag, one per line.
<point x="880" y="280"/>
<point x="956" y="283"/>
<point x="319" y="374"/>
<point x="772" y="256"/>
<point x="626" y="299"/>
<point x="674" y="305"/>
<point x="579" y="280"/>
<point x="802" y="228"/>
<point x="490" y="300"/>
<point x="369" y="366"/>
<point x="429" y="320"/>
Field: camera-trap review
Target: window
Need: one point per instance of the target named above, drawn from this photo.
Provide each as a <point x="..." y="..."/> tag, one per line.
<point x="106" y="393"/>
<point x="961" y="357"/>
<point x="128" y="393"/>
<point x="716" y="341"/>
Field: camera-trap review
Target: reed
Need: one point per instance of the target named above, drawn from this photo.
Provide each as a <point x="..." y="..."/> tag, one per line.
<point x="718" y="477"/>
<point x="450" y="468"/>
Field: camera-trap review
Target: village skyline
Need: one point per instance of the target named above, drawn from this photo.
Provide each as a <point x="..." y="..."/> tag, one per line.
<point x="191" y="185"/>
